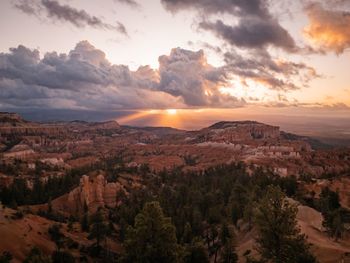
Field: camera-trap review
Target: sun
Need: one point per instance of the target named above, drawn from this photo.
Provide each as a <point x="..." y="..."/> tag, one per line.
<point x="171" y="111"/>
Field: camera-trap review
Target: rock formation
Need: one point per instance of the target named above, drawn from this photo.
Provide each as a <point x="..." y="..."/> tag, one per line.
<point x="13" y="124"/>
<point x="230" y="132"/>
<point x="93" y="192"/>
<point x="19" y="151"/>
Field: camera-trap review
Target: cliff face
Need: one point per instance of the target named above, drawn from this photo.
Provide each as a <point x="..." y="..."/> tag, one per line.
<point x="230" y="132"/>
<point x="10" y="118"/>
<point x="93" y="192"/>
<point x="12" y="123"/>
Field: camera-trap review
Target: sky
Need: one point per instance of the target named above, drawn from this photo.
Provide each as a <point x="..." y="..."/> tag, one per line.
<point x="156" y="62"/>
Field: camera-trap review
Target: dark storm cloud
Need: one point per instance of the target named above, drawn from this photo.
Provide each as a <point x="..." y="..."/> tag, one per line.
<point x="256" y="26"/>
<point x="77" y="17"/>
<point x="260" y="67"/>
<point x="85" y="79"/>
<point x="238" y="7"/>
<point x="187" y="74"/>
<point x="252" y="32"/>
<point x="54" y="10"/>
<point x="61" y="71"/>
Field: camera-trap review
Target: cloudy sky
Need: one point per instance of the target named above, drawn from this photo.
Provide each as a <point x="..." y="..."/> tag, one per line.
<point x="143" y="56"/>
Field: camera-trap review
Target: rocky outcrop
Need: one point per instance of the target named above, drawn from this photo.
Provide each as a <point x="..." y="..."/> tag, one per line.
<point x="12" y="123"/>
<point x="230" y="132"/>
<point x="32" y="129"/>
<point x="93" y="192"/>
<point x="9" y="118"/>
<point x="19" y="151"/>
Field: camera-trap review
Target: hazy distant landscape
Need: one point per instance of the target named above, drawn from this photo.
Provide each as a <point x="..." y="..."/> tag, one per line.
<point x="333" y="129"/>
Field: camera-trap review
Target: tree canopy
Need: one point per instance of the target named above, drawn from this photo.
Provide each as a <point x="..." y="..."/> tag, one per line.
<point x="153" y="237"/>
<point x="279" y="238"/>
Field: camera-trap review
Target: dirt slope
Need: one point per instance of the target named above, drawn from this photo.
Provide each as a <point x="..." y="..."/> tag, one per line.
<point x="18" y="236"/>
<point x="310" y="221"/>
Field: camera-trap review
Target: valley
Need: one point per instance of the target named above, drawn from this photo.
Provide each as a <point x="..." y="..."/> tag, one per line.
<point x="67" y="174"/>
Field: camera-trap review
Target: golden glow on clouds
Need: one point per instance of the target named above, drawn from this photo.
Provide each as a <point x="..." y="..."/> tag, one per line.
<point x="326" y="37"/>
<point x="248" y="90"/>
<point x="328" y="29"/>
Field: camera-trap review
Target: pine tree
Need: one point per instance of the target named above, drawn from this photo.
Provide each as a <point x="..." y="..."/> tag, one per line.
<point x="227" y="239"/>
<point x="6" y="257"/>
<point x="49" y="206"/>
<point x="334" y="223"/>
<point x="187" y="234"/>
<point x="99" y="228"/>
<point x="37" y="256"/>
<point x="85" y="226"/>
<point x="56" y="236"/>
<point x="153" y="237"/>
<point x="333" y="214"/>
<point x="196" y="252"/>
<point x="279" y="239"/>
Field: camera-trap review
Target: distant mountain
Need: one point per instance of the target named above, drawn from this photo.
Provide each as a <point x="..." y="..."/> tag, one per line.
<point x="223" y="131"/>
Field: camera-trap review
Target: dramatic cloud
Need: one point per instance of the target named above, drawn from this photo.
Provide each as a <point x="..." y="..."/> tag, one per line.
<point x="85" y="79"/>
<point x="82" y="79"/>
<point x="54" y="10"/>
<point x="328" y="30"/>
<point x="256" y="27"/>
<point x="187" y="74"/>
<point x="238" y="7"/>
<point x="252" y="32"/>
<point x="276" y="74"/>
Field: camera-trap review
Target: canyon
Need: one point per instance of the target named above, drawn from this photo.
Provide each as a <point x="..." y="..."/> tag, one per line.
<point x="109" y="162"/>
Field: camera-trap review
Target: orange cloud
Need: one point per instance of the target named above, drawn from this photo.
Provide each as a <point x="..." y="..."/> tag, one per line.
<point x="328" y="30"/>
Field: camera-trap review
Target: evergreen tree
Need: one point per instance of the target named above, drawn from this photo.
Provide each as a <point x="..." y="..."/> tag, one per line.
<point x="196" y="252"/>
<point x="49" y="206"/>
<point x="153" y="237"/>
<point x="6" y="257"/>
<point x="279" y="239"/>
<point x="334" y="223"/>
<point x="36" y="256"/>
<point x="57" y="236"/>
<point x="187" y="234"/>
<point x="329" y="204"/>
<point x="228" y="243"/>
<point x="85" y="226"/>
<point x="62" y="257"/>
<point x="99" y="228"/>
<point x="329" y="200"/>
